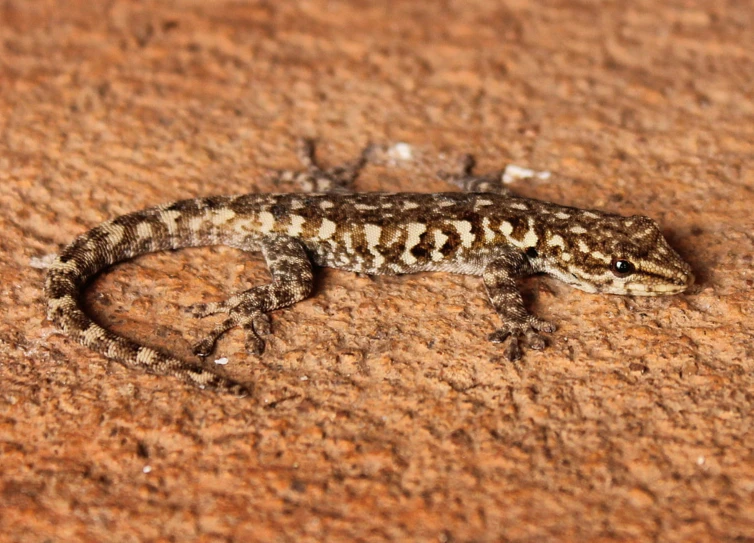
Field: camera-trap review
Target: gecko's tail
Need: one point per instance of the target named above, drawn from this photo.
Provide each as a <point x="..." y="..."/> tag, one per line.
<point x="92" y="252"/>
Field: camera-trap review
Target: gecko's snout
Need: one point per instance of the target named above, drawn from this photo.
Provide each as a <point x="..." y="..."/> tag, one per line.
<point x="690" y="279"/>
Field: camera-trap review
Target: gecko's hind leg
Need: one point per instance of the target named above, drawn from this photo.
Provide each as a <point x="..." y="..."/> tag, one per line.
<point x="313" y="178"/>
<point x="468" y="182"/>
<point x="292" y="281"/>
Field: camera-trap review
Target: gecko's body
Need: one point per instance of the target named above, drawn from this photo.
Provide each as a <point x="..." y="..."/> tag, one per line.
<point x="485" y="232"/>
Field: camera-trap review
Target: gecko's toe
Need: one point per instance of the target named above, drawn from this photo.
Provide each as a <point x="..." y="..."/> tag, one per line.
<point x="535" y="341"/>
<point x="513" y="351"/>
<point x="254" y="343"/>
<point x="262" y="324"/>
<point x="204" y="347"/>
<point x="499" y="335"/>
<point x="541" y="325"/>
<point x="513" y="348"/>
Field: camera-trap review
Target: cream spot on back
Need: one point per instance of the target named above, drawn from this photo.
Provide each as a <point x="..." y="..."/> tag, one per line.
<point x="489" y="235"/>
<point x="583" y="247"/>
<point x="530" y="239"/>
<point x="414" y="231"/>
<point x="562" y="215"/>
<point x="601" y="256"/>
<point x="195" y="223"/>
<point x="221" y="216"/>
<point x="577" y="230"/>
<point x="589" y="215"/>
<point x="440" y="240"/>
<point x="519" y="205"/>
<point x="348" y="242"/>
<point x="325" y="204"/>
<point x="267" y="221"/>
<point x="243" y="225"/>
<point x="407" y="206"/>
<point x="326" y="229"/>
<point x="296" y="226"/>
<point x="365" y="207"/>
<point x="556" y="240"/>
<point x="464" y="230"/>
<point x="506" y="228"/>
<point x="372" y="234"/>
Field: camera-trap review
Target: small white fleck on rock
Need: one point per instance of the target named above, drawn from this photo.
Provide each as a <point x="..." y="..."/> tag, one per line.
<point x="221" y="361"/>
<point x="513" y="173"/>
<point x="42" y="263"/>
<point x="401" y="151"/>
<point x="146" y="469"/>
<point x="700" y="461"/>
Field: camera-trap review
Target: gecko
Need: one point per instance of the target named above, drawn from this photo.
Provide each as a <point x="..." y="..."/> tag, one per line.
<point x="483" y="230"/>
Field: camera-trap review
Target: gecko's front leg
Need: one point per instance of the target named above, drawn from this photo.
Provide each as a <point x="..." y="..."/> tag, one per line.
<point x="467" y="181"/>
<point x="499" y="277"/>
<point x="314" y="178"/>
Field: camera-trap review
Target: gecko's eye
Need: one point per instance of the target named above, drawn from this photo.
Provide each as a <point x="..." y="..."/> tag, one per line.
<point x="622" y="268"/>
<point x="531" y="252"/>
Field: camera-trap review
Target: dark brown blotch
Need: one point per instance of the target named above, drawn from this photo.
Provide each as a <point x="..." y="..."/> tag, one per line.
<point x="451" y="244"/>
<point x="422" y="249"/>
<point x="180" y="206"/>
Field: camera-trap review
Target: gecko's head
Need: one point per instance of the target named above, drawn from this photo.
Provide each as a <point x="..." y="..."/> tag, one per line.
<point x="619" y="255"/>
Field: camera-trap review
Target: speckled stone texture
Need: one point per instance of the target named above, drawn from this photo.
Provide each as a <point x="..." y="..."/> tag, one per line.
<point x="381" y="412"/>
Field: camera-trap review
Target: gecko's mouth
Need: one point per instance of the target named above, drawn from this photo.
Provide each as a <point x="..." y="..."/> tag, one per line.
<point x="675" y="285"/>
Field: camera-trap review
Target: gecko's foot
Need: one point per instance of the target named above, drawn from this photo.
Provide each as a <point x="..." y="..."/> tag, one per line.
<point x="314" y="178"/>
<point x="527" y="332"/>
<point x="254" y="323"/>
<point x="468" y="182"/>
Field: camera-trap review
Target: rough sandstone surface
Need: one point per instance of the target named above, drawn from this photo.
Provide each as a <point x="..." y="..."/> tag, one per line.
<point x="381" y="412"/>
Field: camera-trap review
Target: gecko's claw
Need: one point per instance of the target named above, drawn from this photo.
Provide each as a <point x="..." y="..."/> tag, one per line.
<point x="254" y="343"/>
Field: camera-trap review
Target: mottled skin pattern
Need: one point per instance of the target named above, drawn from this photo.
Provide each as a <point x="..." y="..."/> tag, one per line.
<point x="482" y="231"/>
